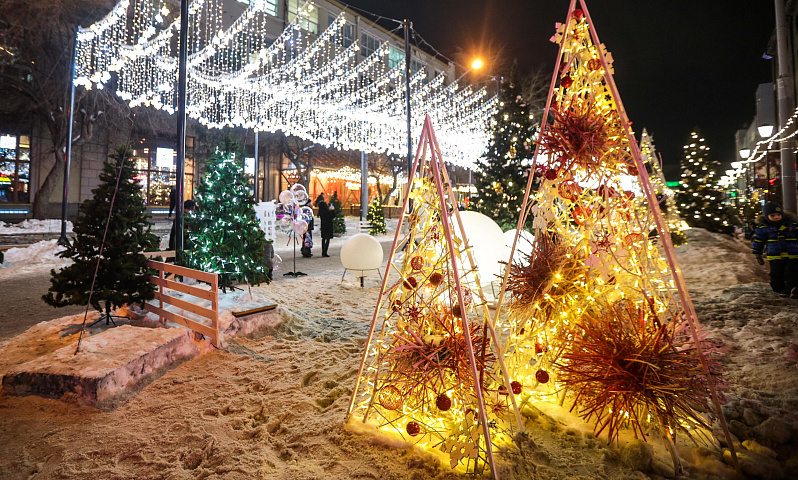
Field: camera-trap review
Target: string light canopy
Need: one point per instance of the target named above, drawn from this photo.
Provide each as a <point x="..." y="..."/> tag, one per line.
<point x="310" y="86"/>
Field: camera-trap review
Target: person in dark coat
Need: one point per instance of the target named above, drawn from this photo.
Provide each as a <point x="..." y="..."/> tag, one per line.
<point x="326" y="214"/>
<point x="318" y="200"/>
<point x="776" y="237"/>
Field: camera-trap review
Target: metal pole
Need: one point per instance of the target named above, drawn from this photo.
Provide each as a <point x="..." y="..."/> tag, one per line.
<point x="182" y="80"/>
<point x="364" y="185"/>
<point x="784" y="82"/>
<point x="257" y="161"/>
<point x="63" y="240"/>
<point x="407" y="26"/>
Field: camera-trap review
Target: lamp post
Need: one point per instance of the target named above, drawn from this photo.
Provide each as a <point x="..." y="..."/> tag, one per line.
<point x="785" y="85"/>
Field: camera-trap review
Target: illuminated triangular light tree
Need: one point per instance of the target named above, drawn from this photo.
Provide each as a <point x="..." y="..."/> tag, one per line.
<point x="665" y="195"/>
<point x="433" y="373"/>
<point x="600" y="308"/>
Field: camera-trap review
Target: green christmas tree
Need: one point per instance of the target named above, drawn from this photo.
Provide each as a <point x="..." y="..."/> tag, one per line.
<point x="664" y="194"/>
<point x="224" y="233"/>
<point x="700" y="199"/>
<point x="339" y="224"/>
<point x="122" y="276"/>
<point x="504" y="168"/>
<point x="375" y="217"/>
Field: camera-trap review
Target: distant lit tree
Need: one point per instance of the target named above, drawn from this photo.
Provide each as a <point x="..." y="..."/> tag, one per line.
<point x="700" y="199"/>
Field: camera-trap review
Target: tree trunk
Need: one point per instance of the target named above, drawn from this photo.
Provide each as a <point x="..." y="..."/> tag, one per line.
<point x="42" y="201"/>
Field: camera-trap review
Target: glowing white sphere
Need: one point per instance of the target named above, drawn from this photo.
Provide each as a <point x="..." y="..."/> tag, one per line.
<point x="523" y="247"/>
<point x="362" y="252"/>
<point x="488" y="241"/>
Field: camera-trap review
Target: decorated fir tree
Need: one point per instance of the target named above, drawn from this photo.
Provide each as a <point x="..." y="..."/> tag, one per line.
<point x="700" y="199"/>
<point x="599" y="316"/>
<point x="504" y="167"/>
<point x="376" y="218"/>
<point x="665" y="195"/>
<point x="339" y="223"/>
<point x="224" y="233"/>
<point x="122" y="272"/>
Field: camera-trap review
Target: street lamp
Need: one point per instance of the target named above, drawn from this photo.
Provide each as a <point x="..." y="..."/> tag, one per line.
<point x="476" y="64"/>
<point x="765" y="131"/>
<point x="745" y="152"/>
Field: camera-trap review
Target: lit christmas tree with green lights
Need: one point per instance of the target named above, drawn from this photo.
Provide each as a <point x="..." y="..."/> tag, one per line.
<point x="122" y="274"/>
<point x="224" y="234"/>
<point x="375" y="217"/>
<point x="664" y="193"/>
<point x="503" y="169"/>
<point x="339" y="223"/>
<point x="700" y="199"/>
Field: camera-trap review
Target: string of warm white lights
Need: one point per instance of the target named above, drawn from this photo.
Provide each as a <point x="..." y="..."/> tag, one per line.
<point x="739" y="168"/>
<point x="305" y="85"/>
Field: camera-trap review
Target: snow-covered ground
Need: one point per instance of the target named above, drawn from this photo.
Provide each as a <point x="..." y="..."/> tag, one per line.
<point x="33" y="226"/>
<point x="273" y="405"/>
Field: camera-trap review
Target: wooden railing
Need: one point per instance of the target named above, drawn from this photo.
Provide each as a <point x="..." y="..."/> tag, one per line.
<point x="163" y="299"/>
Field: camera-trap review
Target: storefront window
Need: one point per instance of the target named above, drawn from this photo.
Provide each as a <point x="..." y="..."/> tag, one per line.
<point x="14" y="168"/>
<point x="155" y="170"/>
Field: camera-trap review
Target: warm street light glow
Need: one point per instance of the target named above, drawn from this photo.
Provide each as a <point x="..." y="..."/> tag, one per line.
<point x="476" y="64"/>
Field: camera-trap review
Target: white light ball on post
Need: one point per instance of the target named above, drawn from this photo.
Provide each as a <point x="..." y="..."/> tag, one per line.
<point x="487" y="240"/>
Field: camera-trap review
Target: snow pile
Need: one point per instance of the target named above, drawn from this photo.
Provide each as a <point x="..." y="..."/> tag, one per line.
<point x="39" y="256"/>
<point x="34" y="226"/>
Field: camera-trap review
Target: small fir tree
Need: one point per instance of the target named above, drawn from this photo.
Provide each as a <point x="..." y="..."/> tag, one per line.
<point x="339" y="223"/>
<point x="375" y="217"/>
<point x="224" y="232"/>
<point x="700" y="199"/>
<point x="664" y="194"/>
<point x="504" y="168"/>
<point x="122" y="276"/>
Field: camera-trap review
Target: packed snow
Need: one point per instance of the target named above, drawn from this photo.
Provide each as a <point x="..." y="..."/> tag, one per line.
<point x="34" y="226"/>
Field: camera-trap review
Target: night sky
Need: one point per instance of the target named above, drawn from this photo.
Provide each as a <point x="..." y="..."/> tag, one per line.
<point x="678" y="63"/>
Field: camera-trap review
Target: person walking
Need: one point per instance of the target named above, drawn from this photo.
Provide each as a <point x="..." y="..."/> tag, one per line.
<point x="326" y="214"/>
<point x="776" y="236"/>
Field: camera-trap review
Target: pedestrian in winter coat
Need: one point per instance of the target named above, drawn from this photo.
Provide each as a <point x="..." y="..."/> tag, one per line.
<point x="326" y="214"/>
<point x="776" y="237"/>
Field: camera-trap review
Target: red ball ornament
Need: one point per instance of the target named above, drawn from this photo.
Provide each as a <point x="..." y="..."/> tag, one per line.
<point x="551" y="174"/>
<point x="593" y="64"/>
<point x="397" y="305"/>
<point x="410" y="283"/>
<point x="566" y="82"/>
<point x="580" y="214"/>
<point x="417" y="262"/>
<point x="413" y="429"/>
<point x="632" y="238"/>
<point x="456" y="311"/>
<point x="569" y="190"/>
<point x="578" y="14"/>
<point x="503" y="390"/>
<point x="443" y="402"/>
<point x="540" y="348"/>
<point x="542" y="376"/>
<point x="436" y="278"/>
<point x="517" y="387"/>
<point x="390" y="398"/>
